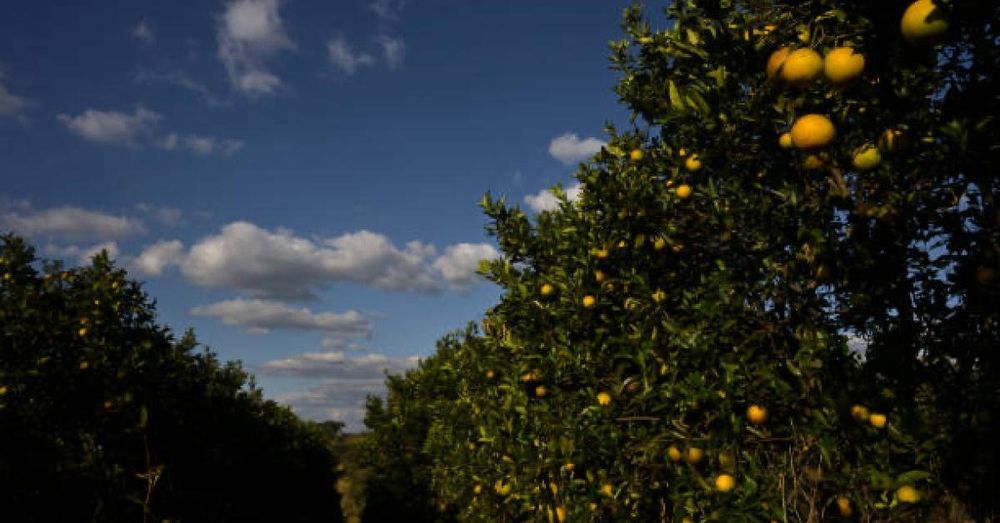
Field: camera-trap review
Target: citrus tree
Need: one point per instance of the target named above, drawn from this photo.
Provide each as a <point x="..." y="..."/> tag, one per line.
<point x="776" y="298"/>
<point x="105" y="415"/>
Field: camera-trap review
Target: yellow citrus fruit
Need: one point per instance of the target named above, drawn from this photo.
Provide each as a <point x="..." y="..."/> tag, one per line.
<point x="547" y="289"/>
<point x="693" y="163"/>
<point x="866" y="158"/>
<point x="775" y="61"/>
<point x="82" y="332"/>
<point x="501" y="488"/>
<point x="756" y="414"/>
<point x="859" y="413"/>
<point x="561" y="514"/>
<point x="694" y="455"/>
<point x="724" y="483"/>
<point x="84" y="365"/>
<point x="477" y="489"/>
<point x="635" y="155"/>
<point x="589" y="301"/>
<point x="812" y="130"/>
<point x="541" y="391"/>
<point x="598" y="276"/>
<point x="842" y="65"/>
<point x="801" y="67"/>
<point x="3" y="390"/>
<point x="603" y="398"/>
<point x="923" y="22"/>
<point x="659" y="296"/>
<point x="600" y="254"/>
<point x="592" y="507"/>
<point x="674" y="454"/>
<point x="489" y="374"/>
<point x="659" y="244"/>
<point x="907" y="494"/>
<point x="607" y="489"/>
<point x="812" y="162"/>
<point x="683" y="191"/>
<point x="785" y="140"/>
<point x="844" y="506"/>
<point x="877" y="420"/>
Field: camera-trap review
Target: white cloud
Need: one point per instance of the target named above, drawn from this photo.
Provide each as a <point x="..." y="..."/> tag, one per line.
<point x="343" y="56"/>
<point x="459" y="262"/>
<point x="144" y="33"/>
<point x="169" y="216"/>
<point x="544" y="200"/>
<point x="180" y="79"/>
<point x="203" y="145"/>
<point x="11" y="106"/>
<point x="69" y="222"/>
<point x="340" y="399"/>
<point x="83" y="254"/>
<point x="279" y="264"/>
<point x="336" y="365"/>
<point x="393" y="49"/>
<point x="570" y="149"/>
<point x="341" y="343"/>
<point x="111" y="127"/>
<point x="251" y="32"/>
<point x="261" y="316"/>
<point x="387" y="10"/>
<point x="155" y="258"/>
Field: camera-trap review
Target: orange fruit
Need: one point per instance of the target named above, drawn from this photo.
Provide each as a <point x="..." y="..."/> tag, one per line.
<point x="683" y="191"/>
<point x="589" y="301"/>
<point x="866" y="157"/>
<point x="812" y="130"/>
<point x="923" y="23"/>
<point x="547" y="289"/>
<point x="693" y="163"/>
<point x="842" y="65"/>
<point x="812" y="162"/>
<point x="674" y="454"/>
<point x="694" y="455"/>
<point x="603" y="399"/>
<point x="907" y="494"/>
<point x="775" y="61"/>
<point x="801" y="67"/>
<point x="844" y="506"/>
<point x="785" y="140"/>
<point x="724" y="483"/>
<point x="859" y="413"/>
<point x="756" y="414"/>
<point x="635" y="155"/>
<point x="598" y="276"/>
<point x="877" y="420"/>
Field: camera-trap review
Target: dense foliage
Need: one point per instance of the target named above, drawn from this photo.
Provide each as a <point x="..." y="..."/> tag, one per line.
<point x="106" y="416"/>
<point x="750" y="314"/>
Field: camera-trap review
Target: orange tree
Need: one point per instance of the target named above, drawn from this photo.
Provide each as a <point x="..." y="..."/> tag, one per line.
<point x="776" y="297"/>
<point x="105" y="416"/>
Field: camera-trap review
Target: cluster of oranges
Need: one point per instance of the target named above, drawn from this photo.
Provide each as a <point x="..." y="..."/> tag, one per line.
<point x="922" y="23"/>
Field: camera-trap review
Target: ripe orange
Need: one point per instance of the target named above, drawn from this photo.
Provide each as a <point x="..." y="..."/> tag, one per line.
<point x="859" y="413"/>
<point x="775" y="61"/>
<point x="683" y="191"/>
<point x="561" y="514"/>
<point x="598" y="276"/>
<point x="801" y="67"/>
<point x="541" y="391"/>
<point x="603" y="399"/>
<point x="756" y="414"/>
<point x="693" y="163"/>
<point x="477" y="489"/>
<point x="724" y="483"/>
<point x="877" y="420"/>
<point x="923" y="23"/>
<point x="589" y="301"/>
<point x="907" y="494"/>
<point x="785" y="140"/>
<point x="674" y="454"/>
<point x="866" y="157"/>
<point x="812" y="162"/>
<point x="607" y="489"/>
<point x="812" y="130"/>
<point x="659" y="244"/>
<point x="635" y="155"/>
<point x="501" y="488"/>
<point x="844" y="506"/>
<point x="694" y="455"/>
<point x="547" y="289"/>
<point x="489" y="374"/>
<point x="842" y="65"/>
<point x="659" y="296"/>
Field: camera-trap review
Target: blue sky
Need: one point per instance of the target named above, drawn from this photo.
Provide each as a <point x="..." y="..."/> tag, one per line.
<point x="297" y="180"/>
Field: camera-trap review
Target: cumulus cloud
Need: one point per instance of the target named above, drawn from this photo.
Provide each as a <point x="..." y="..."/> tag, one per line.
<point x="393" y="50"/>
<point x="279" y="264"/>
<point x="570" y="149"/>
<point x="69" y="222"/>
<point x="155" y="258"/>
<point x="343" y="57"/>
<point x="544" y="200"/>
<point x="342" y="400"/>
<point x="136" y="129"/>
<point x="336" y="365"/>
<point x="249" y="34"/>
<point x="144" y="33"/>
<point x="387" y="10"/>
<point x="111" y="127"/>
<point x="459" y="262"/>
<point x="341" y="343"/>
<point x="203" y="145"/>
<point x="180" y="79"/>
<point x="83" y="254"/>
<point x="260" y="316"/>
<point x="11" y="106"/>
